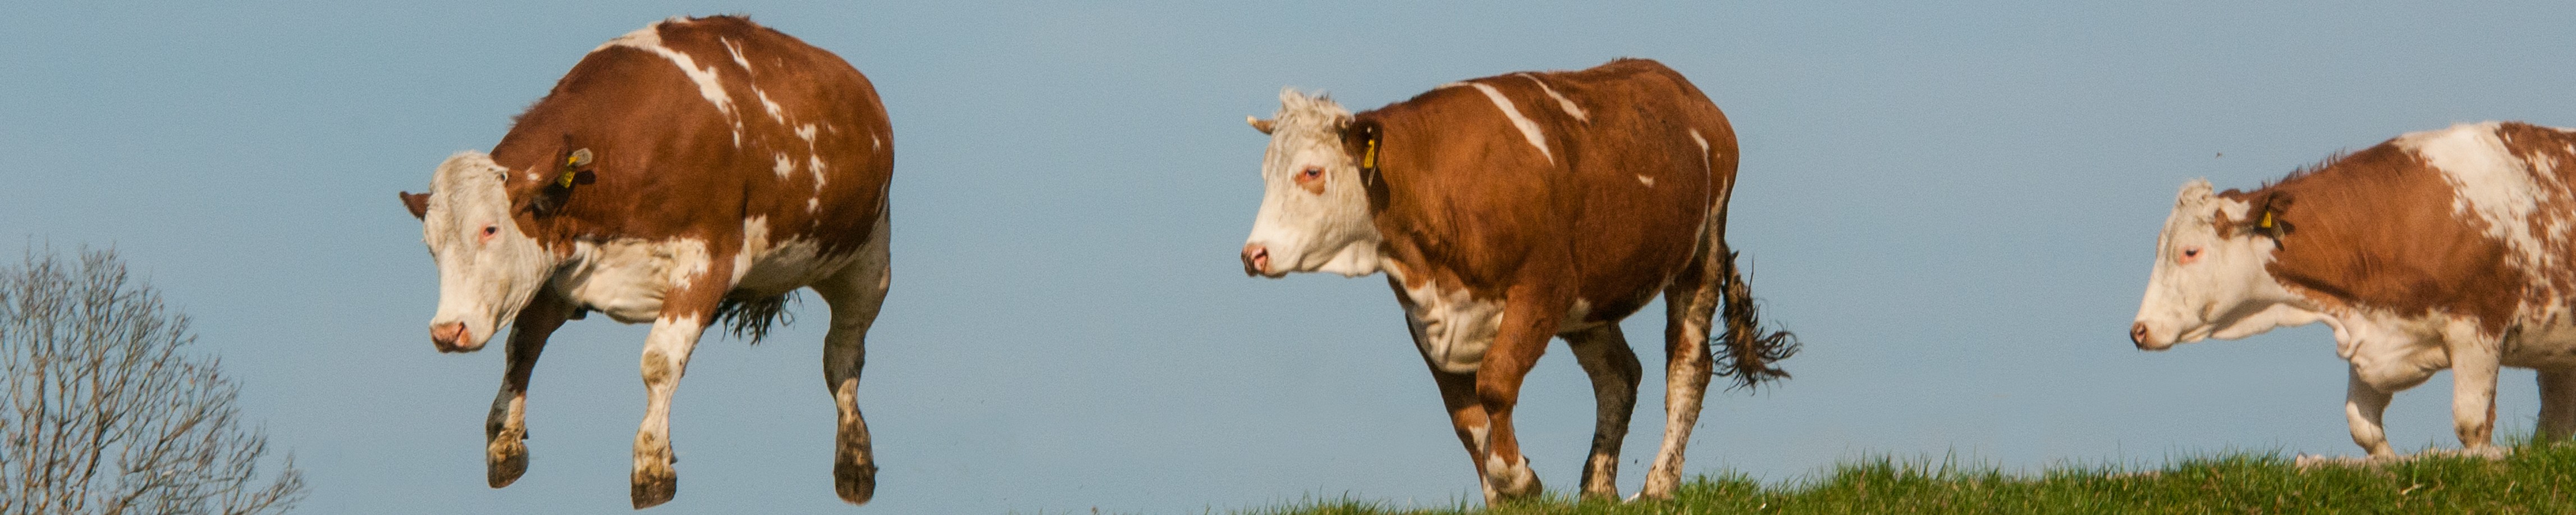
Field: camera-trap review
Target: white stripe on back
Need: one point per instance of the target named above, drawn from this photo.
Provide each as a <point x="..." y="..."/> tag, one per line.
<point x="1528" y="129"/>
<point x="1569" y="106"/>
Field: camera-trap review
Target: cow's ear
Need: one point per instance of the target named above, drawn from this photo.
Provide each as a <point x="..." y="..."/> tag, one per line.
<point x="1365" y="141"/>
<point x="2266" y="215"/>
<point x="418" y="203"/>
<point x="573" y="169"/>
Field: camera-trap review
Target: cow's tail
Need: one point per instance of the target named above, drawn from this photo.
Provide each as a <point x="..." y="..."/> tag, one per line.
<point x="750" y="319"/>
<point x="1751" y="355"/>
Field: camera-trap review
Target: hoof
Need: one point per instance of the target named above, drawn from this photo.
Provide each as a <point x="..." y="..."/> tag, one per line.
<point x="505" y="458"/>
<point x="654" y="487"/>
<point x="1511" y="483"/>
<point x="1659" y="486"/>
<point x="854" y="469"/>
<point x="855" y="482"/>
<point x="504" y="466"/>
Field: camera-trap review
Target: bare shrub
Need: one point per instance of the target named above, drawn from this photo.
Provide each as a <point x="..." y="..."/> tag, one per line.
<point x="103" y="411"/>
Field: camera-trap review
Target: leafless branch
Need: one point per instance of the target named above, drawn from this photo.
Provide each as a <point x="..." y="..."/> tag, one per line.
<point x="103" y="412"/>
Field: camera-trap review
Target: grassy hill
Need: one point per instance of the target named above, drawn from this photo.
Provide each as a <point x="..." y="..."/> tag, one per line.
<point x="2533" y="479"/>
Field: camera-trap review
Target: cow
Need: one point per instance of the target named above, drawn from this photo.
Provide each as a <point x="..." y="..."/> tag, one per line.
<point x="2438" y="249"/>
<point x="693" y="172"/>
<point x="1508" y="209"/>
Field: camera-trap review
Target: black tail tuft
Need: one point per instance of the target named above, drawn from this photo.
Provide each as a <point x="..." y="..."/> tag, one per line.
<point x="750" y="319"/>
<point x="1752" y="355"/>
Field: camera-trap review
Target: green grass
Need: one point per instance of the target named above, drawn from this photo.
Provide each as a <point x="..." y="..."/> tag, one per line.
<point x="2534" y="479"/>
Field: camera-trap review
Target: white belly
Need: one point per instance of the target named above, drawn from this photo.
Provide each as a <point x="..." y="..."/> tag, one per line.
<point x="791" y="265"/>
<point x="627" y="278"/>
<point x="1453" y="328"/>
<point x="2548" y="346"/>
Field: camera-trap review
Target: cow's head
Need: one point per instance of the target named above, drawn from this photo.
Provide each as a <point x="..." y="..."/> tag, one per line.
<point x="2210" y="278"/>
<point x="1315" y="202"/>
<point x="487" y="267"/>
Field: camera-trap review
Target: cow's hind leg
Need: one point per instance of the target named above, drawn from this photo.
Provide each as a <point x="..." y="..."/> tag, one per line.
<point x="505" y="454"/>
<point x="1690" y="303"/>
<point x="1605" y="356"/>
<point x="856" y="293"/>
<point x="2557" y="404"/>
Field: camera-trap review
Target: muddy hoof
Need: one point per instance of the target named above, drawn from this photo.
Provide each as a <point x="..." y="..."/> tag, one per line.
<point x="505" y="459"/>
<point x="503" y="470"/>
<point x="652" y="488"/>
<point x="855" y="482"/>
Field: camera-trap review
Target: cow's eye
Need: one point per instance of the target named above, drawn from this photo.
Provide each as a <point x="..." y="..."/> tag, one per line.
<point x="1311" y="173"/>
<point x="2185" y="252"/>
<point x="2188" y="256"/>
<point x="490" y="230"/>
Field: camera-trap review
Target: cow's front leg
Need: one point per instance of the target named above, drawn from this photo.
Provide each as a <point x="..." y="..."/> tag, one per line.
<point x="666" y="358"/>
<point x="856" y="293"/>
<point x="2474" y="364"/>
<point x="1529" y="321"/>
<point x="505" y="455"/>
<point x="1605" y="356"/>
<point x="2362" y="405"/>
<point x="1457" y="391"/>
<point x="2557" y="404"/>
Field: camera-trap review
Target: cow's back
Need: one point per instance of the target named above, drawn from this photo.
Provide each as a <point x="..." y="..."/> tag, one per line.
<point x="1617" y="168"/>
<point x="711" y="128"/>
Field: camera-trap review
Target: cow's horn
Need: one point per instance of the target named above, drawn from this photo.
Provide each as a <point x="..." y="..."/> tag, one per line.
<point x="1259" y="124"/>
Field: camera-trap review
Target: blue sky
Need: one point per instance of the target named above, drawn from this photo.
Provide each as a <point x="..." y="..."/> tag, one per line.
<point x="1954" y="205"/>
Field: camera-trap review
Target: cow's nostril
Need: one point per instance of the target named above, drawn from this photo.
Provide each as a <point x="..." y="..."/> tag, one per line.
<point x="1256" y="259"/>
<point x="448" y="336"/>
<point x="2138" y="334"/>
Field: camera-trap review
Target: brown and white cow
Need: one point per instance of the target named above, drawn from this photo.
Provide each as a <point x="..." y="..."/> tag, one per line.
<point x="1510" y="209"/>
<point x="693" y="171"/>
<point x="2437" y="249"/>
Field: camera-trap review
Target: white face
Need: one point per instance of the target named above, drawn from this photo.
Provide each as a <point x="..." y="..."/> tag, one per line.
<point x="2207" y="286"/>
<point x="1314" y="210"/>
<point x="487" y="269"/>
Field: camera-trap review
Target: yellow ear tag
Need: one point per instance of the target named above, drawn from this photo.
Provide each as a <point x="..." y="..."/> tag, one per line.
<point x="1369" y="159"/>
<point x="572" y="166"/>
<point x="2267" y="220"/>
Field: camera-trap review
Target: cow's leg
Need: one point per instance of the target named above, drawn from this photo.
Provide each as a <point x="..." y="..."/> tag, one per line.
<point x="505" y="455"/>
<point x="1530" y="319"/>
<point x="2362" y="405"/>
<point x="2557" y="404"/>
<point x="2474" y="364"/>
<point x="1605" y="356"/>
<point x="686" y="312"/>
<point x="1457" y="393"/>
<point x="1690" y="304"/>
<point x="856" y="293"/>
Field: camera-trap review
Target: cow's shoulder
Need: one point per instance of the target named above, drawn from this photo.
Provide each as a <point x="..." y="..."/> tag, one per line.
<point x="2353" y="229"/>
